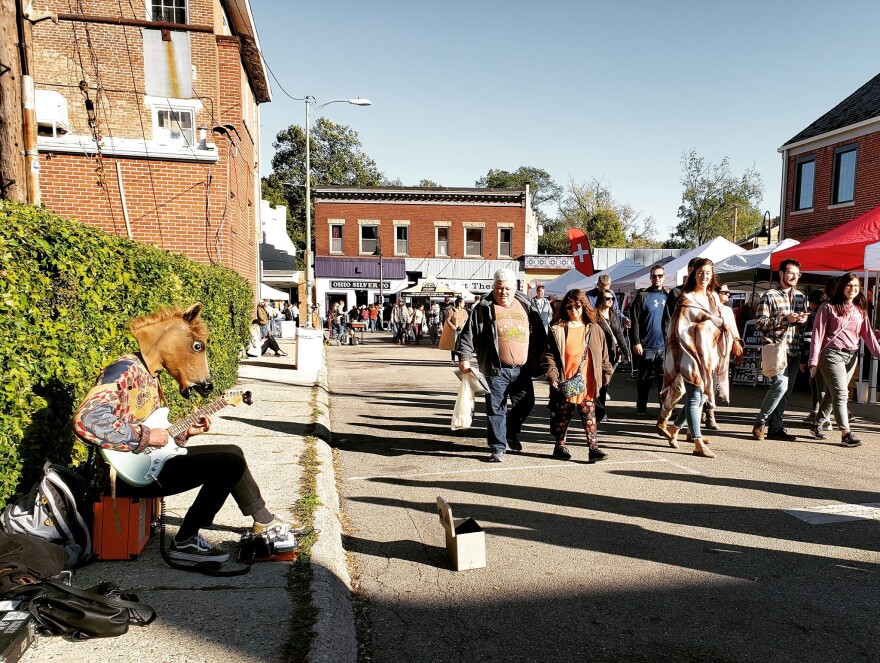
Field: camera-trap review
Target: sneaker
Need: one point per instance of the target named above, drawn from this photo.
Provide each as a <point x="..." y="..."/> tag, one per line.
<point x="826" y="425"/>
<point x="196" y="549"/>
<point x="561" y="452"/>
<point x="759" y="431"/>
<point x="282" y="353"/>
<point x="279" y="526"/>
<point x="782" y="435"/>
<point x="817" y="432"/>
<point x="596" y="455"/>
<point x="850" y="440"/>
<point x="514" y="445"/>
<point x="497" y="456"/>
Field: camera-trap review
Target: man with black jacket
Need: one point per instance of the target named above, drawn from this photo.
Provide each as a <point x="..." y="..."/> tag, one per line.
<point x="507" y="335"/>
<point x="650" y="315"/>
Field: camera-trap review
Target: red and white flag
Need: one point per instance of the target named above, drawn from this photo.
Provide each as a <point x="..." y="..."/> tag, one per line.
<point x="580" y="249"/>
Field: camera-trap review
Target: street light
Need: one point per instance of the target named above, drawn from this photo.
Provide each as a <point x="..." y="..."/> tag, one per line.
<point x="378" y="252"/>
<point x="765" y="228"/>
<point x="309" y="101"/>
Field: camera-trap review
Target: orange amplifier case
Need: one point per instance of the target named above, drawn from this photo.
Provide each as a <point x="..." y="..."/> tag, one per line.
<point x="136" y="515"/>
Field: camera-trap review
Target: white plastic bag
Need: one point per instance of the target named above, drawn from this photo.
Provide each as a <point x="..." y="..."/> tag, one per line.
<point x="463" y="412"/>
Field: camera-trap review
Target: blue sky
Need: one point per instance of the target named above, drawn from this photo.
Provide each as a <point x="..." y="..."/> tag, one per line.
<point x="616" y="90"/>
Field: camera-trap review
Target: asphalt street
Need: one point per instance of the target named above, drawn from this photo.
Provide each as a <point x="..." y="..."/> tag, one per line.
<point x="652" y="555"/>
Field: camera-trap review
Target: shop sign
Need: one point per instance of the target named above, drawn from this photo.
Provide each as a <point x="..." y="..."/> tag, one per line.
<point x="360" y="285"/>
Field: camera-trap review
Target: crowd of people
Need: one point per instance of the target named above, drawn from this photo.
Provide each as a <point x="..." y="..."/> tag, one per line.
<point x="683" y="341"/>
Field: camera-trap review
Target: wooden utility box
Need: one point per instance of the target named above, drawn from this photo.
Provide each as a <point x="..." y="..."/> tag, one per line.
<point x="136" y="515"/>
<point x="465" y="539"/>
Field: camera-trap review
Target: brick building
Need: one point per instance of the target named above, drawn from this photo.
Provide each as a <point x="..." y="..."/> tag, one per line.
<point x="459" y="236"/>
<point x="831" y="169"/>
<point x="153" y="133"/>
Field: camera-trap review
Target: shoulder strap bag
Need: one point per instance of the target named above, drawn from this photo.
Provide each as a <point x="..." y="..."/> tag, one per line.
<point x="576" y="385"/>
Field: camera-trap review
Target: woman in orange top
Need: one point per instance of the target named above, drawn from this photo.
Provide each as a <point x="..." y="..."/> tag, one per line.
<point x="573" y="329"/>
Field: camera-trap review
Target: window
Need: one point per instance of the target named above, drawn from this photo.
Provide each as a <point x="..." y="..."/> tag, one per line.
<point x="843" y="189"/>
<point x="473" y="242"/>
<point x="504" y="237"/>
<point x="442" y="248"/>
<point x="804" y="182"/>
<point x="335" y="238"/>
<point x="174" y="126"/>
<point x="170" y="11"/>
<point x="369" y="239"/>
<point x="401" y="236"/>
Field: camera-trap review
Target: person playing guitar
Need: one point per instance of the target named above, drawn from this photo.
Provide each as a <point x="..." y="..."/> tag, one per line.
<point x="113" y="413"/>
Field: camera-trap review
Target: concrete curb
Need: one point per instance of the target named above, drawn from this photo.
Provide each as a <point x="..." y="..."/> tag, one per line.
<point x="335" y="632"/>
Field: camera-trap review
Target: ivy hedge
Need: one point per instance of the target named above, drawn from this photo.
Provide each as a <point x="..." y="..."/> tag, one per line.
<point x="67" y="292"/>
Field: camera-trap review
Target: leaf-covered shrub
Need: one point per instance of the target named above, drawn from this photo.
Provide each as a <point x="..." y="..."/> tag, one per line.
<point x="67" y="292"/>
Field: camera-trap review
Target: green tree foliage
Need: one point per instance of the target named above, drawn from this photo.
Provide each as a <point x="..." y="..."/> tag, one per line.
<point x="712" y="196"/>
<point x="427" y="183"/>
<point x="543" y="189"/>
<point x="607" y="223"/>
<point x="336" y="157"/>
<point x="67" y="292"/>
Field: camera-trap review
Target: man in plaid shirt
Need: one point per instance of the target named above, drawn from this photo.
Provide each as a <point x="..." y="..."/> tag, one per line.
<point x="781" y="313"/>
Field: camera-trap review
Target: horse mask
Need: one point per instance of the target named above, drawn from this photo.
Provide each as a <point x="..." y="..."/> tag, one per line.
<point x="176" y="341"/>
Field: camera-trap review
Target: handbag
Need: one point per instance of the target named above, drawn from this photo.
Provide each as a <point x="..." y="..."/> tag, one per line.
<point x="101" y="611"/>
<point x="576" y="385"/>
<point x="774" y="357"/>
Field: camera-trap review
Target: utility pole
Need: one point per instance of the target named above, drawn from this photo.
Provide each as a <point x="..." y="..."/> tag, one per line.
<point x="13" y="184"/>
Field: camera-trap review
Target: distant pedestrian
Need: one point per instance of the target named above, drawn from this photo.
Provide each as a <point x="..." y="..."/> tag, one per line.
<point x="542" y="306"/>
<point x="603" y="284"/>
<point x="576" y="345"/>
<point x="454" y="322"/>
<point x="647" y="334"/>
<point x="615" y="340"/>
<point x="507" y="336"/>
<point x="400" y="316"/>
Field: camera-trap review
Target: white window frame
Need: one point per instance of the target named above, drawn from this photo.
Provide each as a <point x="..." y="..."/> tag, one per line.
<point x="165" y="104"/>
<point x="397" y="240"/>
<point x="341" y="238"/>
<point x="501" y="253"/>
<point x="361" y="226"/>
<point x="152" y="9"/>
<point x="468" y="229"/>
<point x="437" y="252"/>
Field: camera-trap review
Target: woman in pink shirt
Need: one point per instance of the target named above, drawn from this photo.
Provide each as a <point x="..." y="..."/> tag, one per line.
<point x="834" y="348"/>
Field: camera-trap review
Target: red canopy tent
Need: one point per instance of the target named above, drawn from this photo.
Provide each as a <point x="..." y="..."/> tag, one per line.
<point x="838" y="250"/>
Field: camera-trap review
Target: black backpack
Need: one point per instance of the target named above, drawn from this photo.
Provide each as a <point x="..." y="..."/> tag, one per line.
<point x="59" y="508"/>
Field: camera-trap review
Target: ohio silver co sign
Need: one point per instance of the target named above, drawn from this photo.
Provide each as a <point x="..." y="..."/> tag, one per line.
<point x="360" y="285"/>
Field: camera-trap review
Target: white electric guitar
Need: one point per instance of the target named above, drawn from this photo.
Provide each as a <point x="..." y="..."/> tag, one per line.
<point x="143" y="468"/>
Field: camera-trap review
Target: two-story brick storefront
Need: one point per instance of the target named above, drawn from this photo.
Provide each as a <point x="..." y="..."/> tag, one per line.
<point x="149" y="122"/>
<point x="459" y="236"/>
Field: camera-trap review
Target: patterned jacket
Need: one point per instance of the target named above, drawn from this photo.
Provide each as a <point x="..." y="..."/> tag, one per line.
<point x="770" y="318"/>
<point x="112" y="412"/>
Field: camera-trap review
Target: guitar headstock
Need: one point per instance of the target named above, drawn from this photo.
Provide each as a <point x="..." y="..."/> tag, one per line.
<point x="237" y="397"/>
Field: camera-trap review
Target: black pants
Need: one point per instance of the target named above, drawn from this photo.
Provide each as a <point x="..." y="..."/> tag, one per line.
<point x="270" y="343"/>
<point x="220" y="469"/>
<point x="650" y="373"/>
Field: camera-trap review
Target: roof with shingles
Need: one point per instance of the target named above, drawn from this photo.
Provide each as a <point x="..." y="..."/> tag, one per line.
<point x="861" y="105"/>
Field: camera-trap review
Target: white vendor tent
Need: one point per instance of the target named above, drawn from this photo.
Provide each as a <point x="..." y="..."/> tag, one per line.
<point x="562" y="284"/>
<point x="268" y="292"/>
<point x="750" y="266"/>
<point x="616" y="271"/>
<point x="676" y="270"/>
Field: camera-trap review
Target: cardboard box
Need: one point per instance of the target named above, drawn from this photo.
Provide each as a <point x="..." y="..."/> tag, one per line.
<point x="136" y="515"/>
<point x="465" y="539"/>
<point x="16" y="631"/>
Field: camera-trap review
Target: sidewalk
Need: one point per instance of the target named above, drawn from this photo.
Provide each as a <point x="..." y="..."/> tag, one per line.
<point x="242" y="618"/>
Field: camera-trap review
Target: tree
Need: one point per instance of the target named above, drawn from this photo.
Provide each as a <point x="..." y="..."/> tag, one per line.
<point x="606" y="222"/>
<point x="542" y="187"/>
<point x="336" y="157"/>
<point x="713" y="196"/>
<point x="424" y="182"/>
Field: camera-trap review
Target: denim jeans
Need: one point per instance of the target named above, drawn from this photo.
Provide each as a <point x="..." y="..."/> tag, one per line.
<point x="837" y="367"/>
<point x="650" y="373"/>
<point x="505" y="423"/>
<point x="776" y="400"/>
<point x="692" y="409"/>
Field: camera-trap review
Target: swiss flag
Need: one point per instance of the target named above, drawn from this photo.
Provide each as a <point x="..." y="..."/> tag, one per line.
<point x="580" y="249"/>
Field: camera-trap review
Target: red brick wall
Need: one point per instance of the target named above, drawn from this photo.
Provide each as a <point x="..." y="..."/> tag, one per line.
<point x="421" y="219"/>
<point x="206" y="211"/>
<point x="808" y="224"/>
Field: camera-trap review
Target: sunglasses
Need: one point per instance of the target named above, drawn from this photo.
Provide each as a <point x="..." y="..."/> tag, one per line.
<point x="608" y="299"/>
<point x="657" y="276"/>
<point x="573" y="306"/>
<point x="724" y="292"/>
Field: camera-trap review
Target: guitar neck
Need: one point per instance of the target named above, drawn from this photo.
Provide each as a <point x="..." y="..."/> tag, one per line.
<point x="184" y="424"/>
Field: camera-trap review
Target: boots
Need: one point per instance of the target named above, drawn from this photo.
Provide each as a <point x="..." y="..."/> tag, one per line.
<point x="672" y="435"/>
<point x="709" y="413"/>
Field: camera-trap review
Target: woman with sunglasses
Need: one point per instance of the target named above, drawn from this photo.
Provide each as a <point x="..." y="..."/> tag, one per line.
<point x="697" y="353"/>
<point x="575" y="342"/>
<point x="615" y="339"/>
<point x="834" y="348"/>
